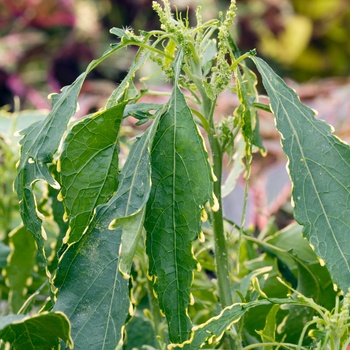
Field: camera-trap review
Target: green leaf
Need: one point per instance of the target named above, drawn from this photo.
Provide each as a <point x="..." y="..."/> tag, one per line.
<point x="91" y="289"/>
<point x="20" y="265"/>
<point x="119" y="32"/>
<point x="269" y="331"/>
<point x="38" y="146"/>
<point x="39" y="332"/>
<point x="89" y="166"/>
<point x="181" y="185"/>
<point x="248" y="94"/>
<point x="132" y="231"/>
<point x="142" y="111"/>
<point x="236" y="169"/>
<point x="216" y="326"/>
<point x="120" y="93"/>
<point x="313" y="279"/>
<point x="319" y="166"/>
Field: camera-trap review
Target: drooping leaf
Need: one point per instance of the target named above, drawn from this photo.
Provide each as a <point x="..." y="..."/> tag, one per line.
<point x="20" y="265"/>
<point x="38" y="146"/>
<point x="237" y="168"/>
<point x="121" y="92"/>
<point x="214" y="328"/>
<point x="181" y="184"/>
<point x="89" y="166"/>
<point x="91" y="289"/>
<point x="39" y="332"/>
<point x="247" y="94"/>
<point x="132" y="230"/>
<point x="142" y="111"/>
<point x="319" y="166"/>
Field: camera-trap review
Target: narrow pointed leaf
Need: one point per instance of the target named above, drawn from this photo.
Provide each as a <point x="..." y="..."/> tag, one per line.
<point x="269" y="332"/>
<point x="89" y="166"/>
<point x="181" y="184"/>
<point x="20" y="265"/>
<point x="247" y="94"/>
<point x="132" y="232"/>
<point x="91" y="289"/>
<point x="39" y="332"/>
<point x="118" y="94"/>
<point x="237" y="168"/>
<point x="38" y="146"/>
<point x="214" y="328"/>
<point x="319" y="166"/>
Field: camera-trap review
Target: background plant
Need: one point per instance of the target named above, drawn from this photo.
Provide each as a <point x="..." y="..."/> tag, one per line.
<point x="168" y="185"/>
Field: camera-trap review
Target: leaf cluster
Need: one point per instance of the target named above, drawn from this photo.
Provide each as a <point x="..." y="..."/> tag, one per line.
<point x="127" y="235"/>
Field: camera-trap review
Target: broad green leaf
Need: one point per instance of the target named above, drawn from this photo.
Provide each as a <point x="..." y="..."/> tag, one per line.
<point x="20" y="265"/>
<point x="181" y="185"/>
<point x="38" y="146"/>
<point x="39" y="332"/>
<point x="89" y="166"/>
<point x="214" y="328"/>
<point x="319" y="166"/>
<point x="91" y="289"/>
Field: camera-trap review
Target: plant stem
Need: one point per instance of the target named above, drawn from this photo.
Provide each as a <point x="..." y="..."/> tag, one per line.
<point x="219" y="236"/>
<point x="220" y="247"/>
<point x="218" y="228"/>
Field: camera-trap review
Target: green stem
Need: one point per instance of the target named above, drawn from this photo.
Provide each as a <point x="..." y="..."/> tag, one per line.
<point x="218" y="228"/>
<point x="220" y="246"/>
<point x="221" y="252"/>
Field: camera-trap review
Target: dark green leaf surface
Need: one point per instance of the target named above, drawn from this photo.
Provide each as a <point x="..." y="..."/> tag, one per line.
<point x="39" y="332"/>
<point x="89" y="166"/>
<point x="20" y="265"/>
<point x="38" y="146"/>
<point x="181" y="184"/>
<point x="91" y="289"/>
<point x="216" y="326"/>
<point x="319" y="166"/>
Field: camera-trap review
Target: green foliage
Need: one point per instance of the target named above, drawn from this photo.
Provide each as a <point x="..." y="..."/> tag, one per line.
<point x="320" y="178"/>
<point x="36" y="332"/>
<point x="181" y="185"/>
<point x="137" y="241"/>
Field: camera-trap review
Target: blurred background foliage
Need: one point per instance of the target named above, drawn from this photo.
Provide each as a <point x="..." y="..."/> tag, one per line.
<point x="45" y="45"/>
